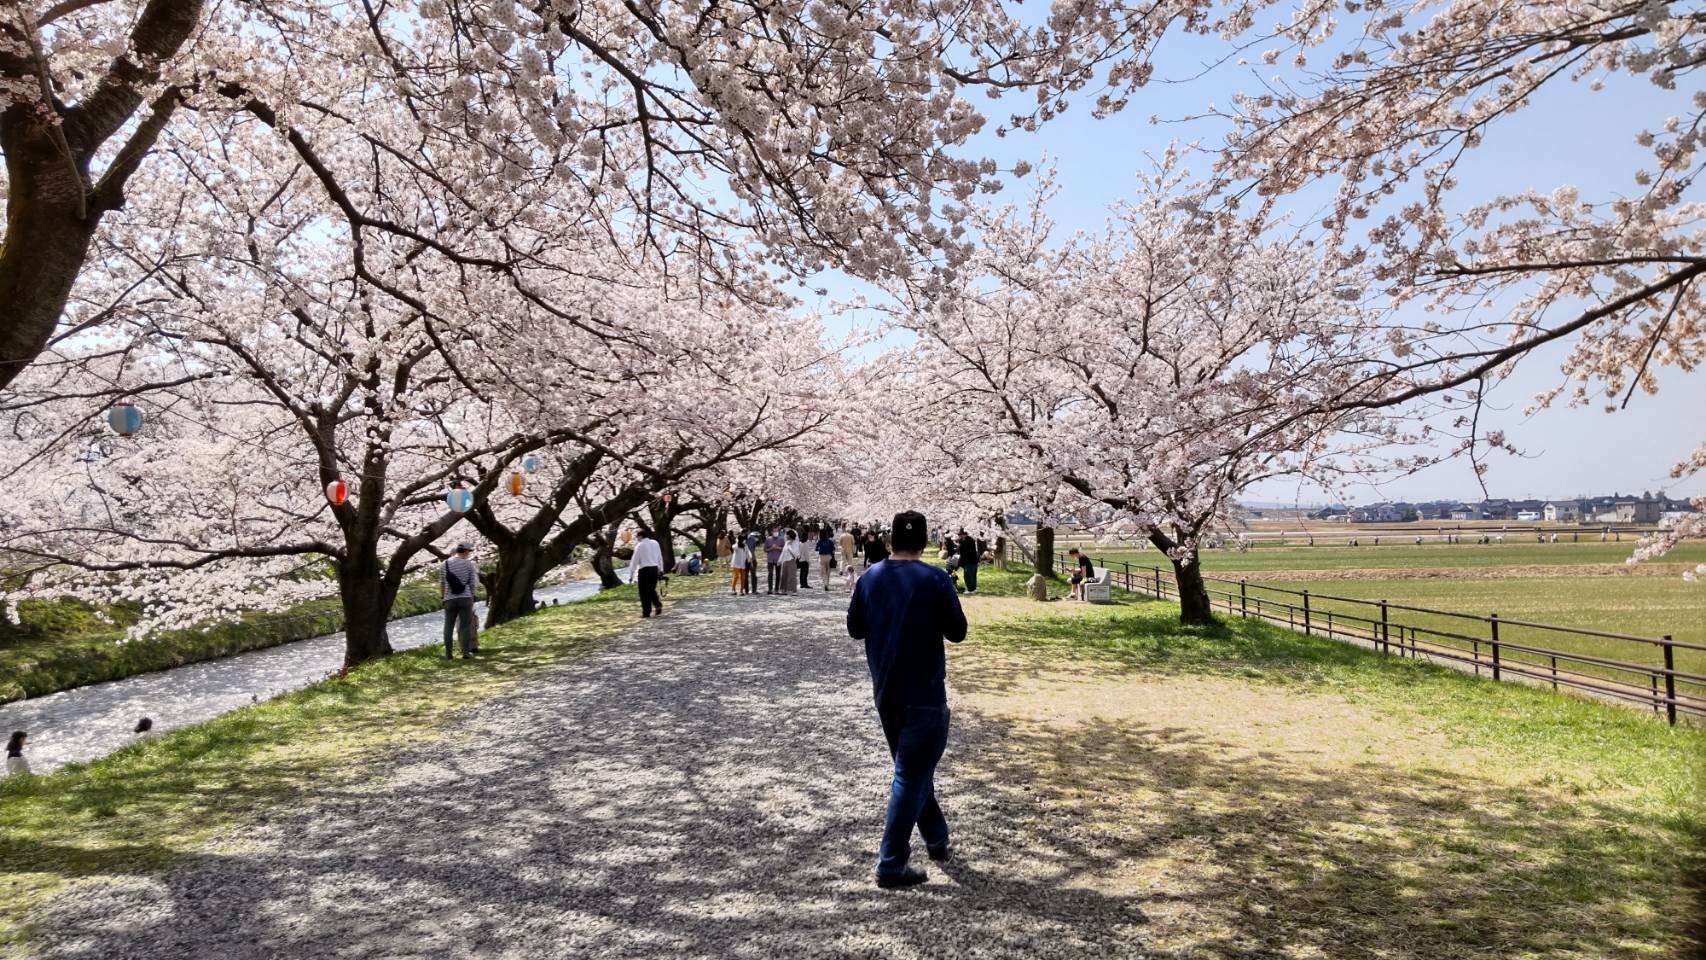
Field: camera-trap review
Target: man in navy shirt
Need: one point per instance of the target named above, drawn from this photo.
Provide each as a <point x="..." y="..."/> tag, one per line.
<point x="903" y="609"/>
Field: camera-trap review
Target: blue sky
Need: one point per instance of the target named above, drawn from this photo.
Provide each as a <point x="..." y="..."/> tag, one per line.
<point x="1570" y="135"/>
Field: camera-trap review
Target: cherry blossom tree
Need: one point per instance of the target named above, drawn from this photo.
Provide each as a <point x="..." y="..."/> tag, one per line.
<point x="1145" y="375"/>
<point x="829" y="134"/>
<point x="1404" y="101"/>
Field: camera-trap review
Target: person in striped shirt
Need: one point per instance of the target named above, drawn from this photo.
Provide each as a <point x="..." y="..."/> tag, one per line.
<point x="457" y="578"/>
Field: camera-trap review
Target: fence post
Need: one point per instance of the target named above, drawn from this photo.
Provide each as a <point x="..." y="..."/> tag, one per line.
<point x="1670" y="680"/>
<point x="1158" y="594"/>
<point x="1244" y="598"/>
<point x="1125" y="565"/>
<point x="1494" y="620"/>
<point x="1385" y="630"/>
<point x="1306" y="613"/>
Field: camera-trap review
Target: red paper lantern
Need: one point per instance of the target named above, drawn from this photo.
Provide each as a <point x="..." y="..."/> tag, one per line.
<point x="337" y="492"/>
<point x="516" y="482"/>
<point x="668" y="497"/>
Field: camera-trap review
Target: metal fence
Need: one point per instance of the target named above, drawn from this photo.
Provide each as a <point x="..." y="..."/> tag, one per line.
<point x="1615" y="666"/>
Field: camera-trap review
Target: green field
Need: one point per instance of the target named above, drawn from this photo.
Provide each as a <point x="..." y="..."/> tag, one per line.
<point x="1391" y="556"/>
<point x="1651" y="604"/>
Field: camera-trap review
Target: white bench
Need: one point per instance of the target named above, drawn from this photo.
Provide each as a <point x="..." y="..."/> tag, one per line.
<point x="1099" y="589"/>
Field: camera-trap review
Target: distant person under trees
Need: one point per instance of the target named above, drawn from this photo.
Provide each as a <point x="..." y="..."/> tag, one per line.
<point x="647" y="566"/>
<point x="17" y="765"/>
<point x="456" y="579"/>
<point x="904" y="609"/>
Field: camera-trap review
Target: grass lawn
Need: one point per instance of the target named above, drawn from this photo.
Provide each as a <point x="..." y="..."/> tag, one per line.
<point x="138" y="808"/>
<point x="1267" y="794"/>
<point x="1648" y="605"/>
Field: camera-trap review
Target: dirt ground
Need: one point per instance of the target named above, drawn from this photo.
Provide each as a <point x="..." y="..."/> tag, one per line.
<point x="1257" y="819"/>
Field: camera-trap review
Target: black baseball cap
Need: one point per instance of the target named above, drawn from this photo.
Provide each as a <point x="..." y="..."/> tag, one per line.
<point x="910" y="531"/>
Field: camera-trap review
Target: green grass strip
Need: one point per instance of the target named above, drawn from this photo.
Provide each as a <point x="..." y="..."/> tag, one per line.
<point x="137" y="809"/>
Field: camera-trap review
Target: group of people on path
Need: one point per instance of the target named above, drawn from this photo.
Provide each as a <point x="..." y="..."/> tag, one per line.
<point x="789" y="558"/>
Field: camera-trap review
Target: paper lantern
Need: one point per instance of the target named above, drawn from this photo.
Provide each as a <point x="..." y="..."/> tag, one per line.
<point x="337" y="492"/>
<point x="668" y="497"/>
<point x="124" y="418"/>
<point x="515" y="482"/>
<point x="459" y="499"/>
<point x="530" y="463"/>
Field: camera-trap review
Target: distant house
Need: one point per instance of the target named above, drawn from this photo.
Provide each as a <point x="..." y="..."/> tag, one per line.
<point x="1438" y="509"/>
<point x="1562" y="511"/>
<point x="1643" y="510"/>
<point x="1384" y="513"/>
<point x="1337" y="511"/>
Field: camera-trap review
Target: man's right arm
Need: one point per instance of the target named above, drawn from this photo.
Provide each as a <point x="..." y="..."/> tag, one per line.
<point x="856" y="615"/>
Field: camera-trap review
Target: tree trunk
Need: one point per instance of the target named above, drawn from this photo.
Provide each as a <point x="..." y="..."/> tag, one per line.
<point x="1001" y="552"/>
<point x="367" y="605"/>
<point x="1045" y="552"/>
<point x="509" y="589"/>
<point x="604" y="556"/>
<point x="1194" y="604"/>
<point x="716" y="524"/>
<point x="53" y="203"/>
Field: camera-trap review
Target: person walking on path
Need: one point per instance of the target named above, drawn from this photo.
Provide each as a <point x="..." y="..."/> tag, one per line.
<point x="875" y="552"/>
<point x="737" y="568"/>
<point x="645" y="566"/>
<point x="773" y="545"/>
<point x="825" y="554"/>
<point x="789" y="577"/>
<point x="803" y="559"/>
<point x="849" y="544"/>
<point x="456" y="578"/>
<point x="969" y="556"/>
<point x="903" y="609"/>
<point x="17" y="765"/>
<point x="723" y="547"/>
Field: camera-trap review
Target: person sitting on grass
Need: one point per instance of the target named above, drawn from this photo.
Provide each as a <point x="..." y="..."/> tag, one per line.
<point x="16" y="763"/>
<point x="1084" y="570"/>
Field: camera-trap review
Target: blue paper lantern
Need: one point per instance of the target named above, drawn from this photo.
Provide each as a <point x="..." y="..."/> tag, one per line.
<point x="125" y="419"/>
<point x="459" y="499"/>
<point x="530" y="463"/>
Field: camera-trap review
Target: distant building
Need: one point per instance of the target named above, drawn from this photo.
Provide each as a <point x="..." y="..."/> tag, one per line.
<point x="1562" y="511"/>
<point x="1638" y="511"/>
<point x="1384" y="513"/>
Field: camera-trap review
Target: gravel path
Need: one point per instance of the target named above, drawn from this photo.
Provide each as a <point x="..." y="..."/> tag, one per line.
<point x="90" y="722"/>
<point x="710" y="784"/>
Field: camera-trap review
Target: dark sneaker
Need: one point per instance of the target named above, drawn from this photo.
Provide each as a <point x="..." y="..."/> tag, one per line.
<point x="909" y="877"/>
<point x="940" y="853"/>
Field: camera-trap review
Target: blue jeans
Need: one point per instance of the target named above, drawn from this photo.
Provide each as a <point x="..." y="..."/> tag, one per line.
<point x="917" y="736"/>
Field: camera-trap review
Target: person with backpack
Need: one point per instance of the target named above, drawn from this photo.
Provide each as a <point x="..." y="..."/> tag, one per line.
<point x="456" y="578"/>
<point x="825" y="556"/>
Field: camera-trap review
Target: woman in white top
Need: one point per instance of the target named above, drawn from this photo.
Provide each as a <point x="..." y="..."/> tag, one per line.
<point x="738" y="560"/>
